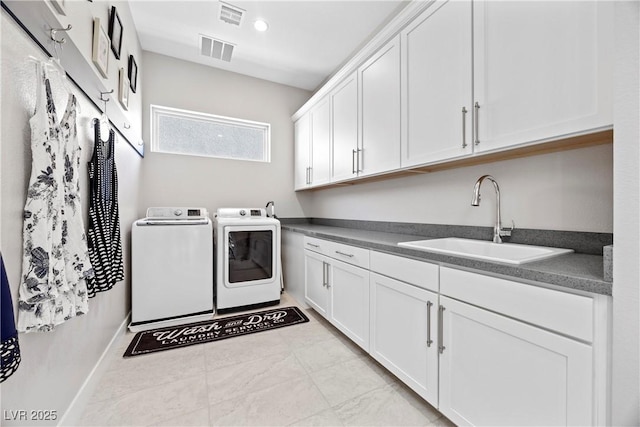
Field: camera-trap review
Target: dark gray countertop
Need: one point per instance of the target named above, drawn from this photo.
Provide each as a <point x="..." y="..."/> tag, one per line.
<point x="574" y="271"/>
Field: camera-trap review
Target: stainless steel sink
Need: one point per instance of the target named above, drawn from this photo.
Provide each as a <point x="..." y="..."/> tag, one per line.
<point x="510" y="253"/>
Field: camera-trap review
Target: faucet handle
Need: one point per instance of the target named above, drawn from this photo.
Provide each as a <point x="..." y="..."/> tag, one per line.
<point x="506" y="232"/>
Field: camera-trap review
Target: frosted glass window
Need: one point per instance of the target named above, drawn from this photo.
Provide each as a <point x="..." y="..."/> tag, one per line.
<point x="191" y="133"/>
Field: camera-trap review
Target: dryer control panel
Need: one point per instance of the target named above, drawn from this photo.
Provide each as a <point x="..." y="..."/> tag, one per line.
<point x="177" y="212"/>
<point x="241" y="213"/>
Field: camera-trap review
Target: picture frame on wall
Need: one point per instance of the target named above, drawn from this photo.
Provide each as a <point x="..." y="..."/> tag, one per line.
<point x="133" y="73"/>
<point x="100" y="54"/>
<point x="115" y="32"/>
<point x="123" y="92"/>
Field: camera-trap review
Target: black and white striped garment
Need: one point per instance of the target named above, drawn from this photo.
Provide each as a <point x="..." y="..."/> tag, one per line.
<point x="105" y="247"/>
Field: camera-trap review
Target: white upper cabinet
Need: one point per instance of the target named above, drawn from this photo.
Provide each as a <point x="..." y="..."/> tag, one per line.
<point x="344" y="99"/>
<point x="302" y="152"/>
<point x="436" y="84"/>
<point x="460" y="78"/>
<point x="379" y="79"/>
<point x="543" y="70"/>
<point x="321" y="143"/>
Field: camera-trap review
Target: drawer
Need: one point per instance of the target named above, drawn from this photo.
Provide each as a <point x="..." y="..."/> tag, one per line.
<point x="418" y="273"/>
<point x="346" y="253"/>
<point x="316" y="245"/>
<point x="562" y="312"/>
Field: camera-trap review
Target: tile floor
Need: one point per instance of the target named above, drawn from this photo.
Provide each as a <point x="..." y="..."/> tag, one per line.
<point x="303" y="375"/>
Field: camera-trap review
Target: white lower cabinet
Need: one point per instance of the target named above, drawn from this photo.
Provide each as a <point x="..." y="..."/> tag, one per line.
<point x="350" y="301"/>
<point x="403" y="333"/>
<point x="316" y="292"/>
<point x="483" y="350"/>
<point x="498" y="371"/>
<point x="339" y="290"/>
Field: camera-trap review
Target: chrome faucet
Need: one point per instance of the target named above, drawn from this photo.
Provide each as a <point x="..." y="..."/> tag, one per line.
<point x="498" y="231"/>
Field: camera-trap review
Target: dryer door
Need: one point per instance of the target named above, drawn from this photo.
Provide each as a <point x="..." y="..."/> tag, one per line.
<point x="250" y="258"/>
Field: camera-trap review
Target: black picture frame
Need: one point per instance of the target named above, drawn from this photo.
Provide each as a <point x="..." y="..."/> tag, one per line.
<point x="115" y="32"/>
<point x="133" y="73"/>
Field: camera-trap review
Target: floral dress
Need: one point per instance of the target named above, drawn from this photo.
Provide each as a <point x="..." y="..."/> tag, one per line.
<point x="56" y="263"/>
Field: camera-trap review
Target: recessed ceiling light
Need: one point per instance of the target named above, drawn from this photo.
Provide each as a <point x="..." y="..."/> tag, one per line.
<point x="261" y="25"/>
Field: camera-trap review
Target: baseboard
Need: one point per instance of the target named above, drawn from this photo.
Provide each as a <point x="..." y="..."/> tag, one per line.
<point x="73" y="413"/>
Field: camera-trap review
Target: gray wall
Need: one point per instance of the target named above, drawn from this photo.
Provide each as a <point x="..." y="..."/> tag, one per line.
<point x="178" y="180"/>
<point x="54" y="364"/>
<point x="570" y="190"/>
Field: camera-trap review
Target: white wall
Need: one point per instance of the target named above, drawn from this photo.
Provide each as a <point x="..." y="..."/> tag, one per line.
<point x="626" y="252"/>
<point x="570" y="190"/>
<point x="176" y="180"/>
<point x="54" y="364"/>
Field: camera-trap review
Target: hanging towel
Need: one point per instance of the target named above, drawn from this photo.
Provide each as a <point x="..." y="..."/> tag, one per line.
<point x="10" y="349"/>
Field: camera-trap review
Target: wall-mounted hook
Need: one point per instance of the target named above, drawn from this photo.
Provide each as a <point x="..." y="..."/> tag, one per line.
<point x="105" y="99"/>
<point x="102" y="94"/>
<point x="55" y="30"/>
<point x="127" y="126"/>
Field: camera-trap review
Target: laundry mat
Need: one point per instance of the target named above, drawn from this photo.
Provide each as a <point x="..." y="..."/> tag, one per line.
<point x="160" y="339"/>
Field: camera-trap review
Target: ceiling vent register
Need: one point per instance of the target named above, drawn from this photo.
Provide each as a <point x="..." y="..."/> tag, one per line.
<point x="231" y="14"/>
<point x="214" y="48"/>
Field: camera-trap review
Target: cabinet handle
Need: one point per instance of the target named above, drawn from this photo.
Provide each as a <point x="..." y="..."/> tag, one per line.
<point x="441" y="347"/>
<point x="464" y="127"/>
<point x="306" y="176"/>
<point x="343" y="254"/>
<point x="429" y="340"/>
<point x="324" y="274"/>
<point x="326" y="266"/>
<point x="476" y="107"/>
<point x="313" y="246"/>
<point x="354" y="153"/>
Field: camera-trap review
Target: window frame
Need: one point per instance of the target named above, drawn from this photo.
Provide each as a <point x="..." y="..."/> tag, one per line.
<point x="156" y="110"/>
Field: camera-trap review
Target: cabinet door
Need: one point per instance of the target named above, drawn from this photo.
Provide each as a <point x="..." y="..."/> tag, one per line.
<point x="403" y="333"/>
<point x="380" y="110"/>
<point x="350" y="301"/>
<point x="497" y="371"/>
<point x="542" y="70"/>
<point x="303" y="139"/>
<point x="345" y="130"/>
<point x="437" y="77"/>
<point x="321" y="143"/>
<point x="316" y="292"/>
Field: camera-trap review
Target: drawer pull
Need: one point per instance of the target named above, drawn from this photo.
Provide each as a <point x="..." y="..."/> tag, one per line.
<point x="429" y="340"/>
<point x="343" y="254"/>
<point x="313" y="246"/>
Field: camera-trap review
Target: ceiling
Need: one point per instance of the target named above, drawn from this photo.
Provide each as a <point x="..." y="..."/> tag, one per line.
<point x="307" y="41"/>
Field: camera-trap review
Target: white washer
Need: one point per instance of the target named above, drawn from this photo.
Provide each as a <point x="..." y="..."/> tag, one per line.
<point x="171" y="268"/>
<point x="247" y="246"/>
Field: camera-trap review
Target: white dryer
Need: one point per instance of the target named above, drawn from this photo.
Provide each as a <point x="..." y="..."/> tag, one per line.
<point x="171" y="268"/>
<point x="247" y="266"/>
